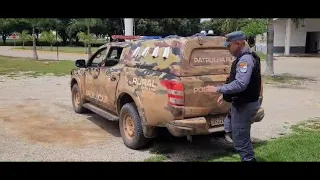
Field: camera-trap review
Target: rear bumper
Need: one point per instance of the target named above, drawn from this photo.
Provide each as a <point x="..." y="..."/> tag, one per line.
<point x="192" y="126"/>
<point x="201" y="126"/>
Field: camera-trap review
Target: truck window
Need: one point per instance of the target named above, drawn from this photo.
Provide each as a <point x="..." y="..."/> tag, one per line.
<point x="113" y="56"/>
<point x="98" y="58"/>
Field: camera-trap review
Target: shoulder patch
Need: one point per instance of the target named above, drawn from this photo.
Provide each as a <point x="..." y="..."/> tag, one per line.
<point x="243" y="67"/>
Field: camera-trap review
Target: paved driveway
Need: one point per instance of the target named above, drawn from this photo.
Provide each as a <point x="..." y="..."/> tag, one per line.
<point x="7" y="51"/>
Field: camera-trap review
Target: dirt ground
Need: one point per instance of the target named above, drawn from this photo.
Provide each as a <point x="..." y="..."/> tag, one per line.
<point x="37" y="122"/>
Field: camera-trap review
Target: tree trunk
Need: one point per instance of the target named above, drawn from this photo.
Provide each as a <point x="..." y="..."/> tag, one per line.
<point x="4" y="38"/>
<point x="35" y="54"/>
<point x="23" y="44"/>
<point x="270" y="37"/>
<point x="51" y="46"/>
<point x="89" y="44"/>
<point x="64" y="39"/>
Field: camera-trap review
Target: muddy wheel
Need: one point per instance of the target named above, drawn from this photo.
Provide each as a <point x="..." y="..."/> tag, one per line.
<point x="131" y="127"/>
<point x="77" y="100"/>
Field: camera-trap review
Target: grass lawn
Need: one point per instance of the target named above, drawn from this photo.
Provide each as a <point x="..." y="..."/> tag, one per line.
<point x="61" y="49"/>
<point x="13" y="66"/>
<point x="262" y="56"/>
<point x="286" y="80"/>
<point x="301" y="146"/>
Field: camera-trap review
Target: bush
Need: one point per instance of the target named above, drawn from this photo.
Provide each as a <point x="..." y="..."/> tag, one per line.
<point x="10" y="42"/>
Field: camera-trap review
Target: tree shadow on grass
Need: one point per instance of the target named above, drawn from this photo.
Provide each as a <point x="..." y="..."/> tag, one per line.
<point x="179" y="149"/>
<point x="202" y="148"/>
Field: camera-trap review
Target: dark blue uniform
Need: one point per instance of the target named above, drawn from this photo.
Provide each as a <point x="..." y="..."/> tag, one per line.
<point x="239" y="123"/>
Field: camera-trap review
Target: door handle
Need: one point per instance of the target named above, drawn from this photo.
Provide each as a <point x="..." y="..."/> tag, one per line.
<point x="113" y="78"/>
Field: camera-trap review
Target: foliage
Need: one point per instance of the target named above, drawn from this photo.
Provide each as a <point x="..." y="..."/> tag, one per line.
<point x="7" y="27"/>
<point x="222" y="26"/>
<point x="49" y="36"/>
<point x="69" y="28"/>
<point x="87" y="39"/>
<point x="255" y="27"/>
<point x="24" y="36"/>
<point x="297" y="22"/>
<point x="167" y="26"/>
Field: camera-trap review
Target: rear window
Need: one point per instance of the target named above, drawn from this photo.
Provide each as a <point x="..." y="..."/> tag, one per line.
<point x="210" y="57"/>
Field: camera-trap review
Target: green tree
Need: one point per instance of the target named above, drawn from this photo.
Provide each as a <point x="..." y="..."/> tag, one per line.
<point x="49" y="36"/>
<point x="7" y="27"/>
<point x="24" y="36"/>
<point x="86" y="39"/>
<point x="167" y="26"/>
<point x="255" y="27"/>
<point x="114" y="25"/>
<point x="35" y="23"/>
<point x="222" y="26"/>
<point x="176" y="26"/>
<point x="297" y="22"/>
<point x="88" y="23"/>
<point x="147" y="27"/>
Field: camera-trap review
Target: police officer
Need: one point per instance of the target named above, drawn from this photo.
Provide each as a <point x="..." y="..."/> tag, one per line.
<point x="227" y="121"/>
<point x="242" y="90"/>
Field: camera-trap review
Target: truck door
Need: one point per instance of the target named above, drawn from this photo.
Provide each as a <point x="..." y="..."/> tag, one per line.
<point x="109" y="76"/>
<point x="92" y="74"/>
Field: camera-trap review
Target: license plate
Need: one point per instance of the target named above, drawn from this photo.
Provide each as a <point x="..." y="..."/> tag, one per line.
<point x="216" y="121"/>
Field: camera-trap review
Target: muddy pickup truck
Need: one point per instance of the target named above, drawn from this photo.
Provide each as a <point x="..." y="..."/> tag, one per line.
<point x="146" y="84"/>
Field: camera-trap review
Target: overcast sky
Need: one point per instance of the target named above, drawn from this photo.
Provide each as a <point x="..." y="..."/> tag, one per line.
<point x="203" y="19"/>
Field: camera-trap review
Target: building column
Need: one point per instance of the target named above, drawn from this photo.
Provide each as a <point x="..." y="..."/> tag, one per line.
<point x="287" y="38"/>
<point x="128" y="26"/>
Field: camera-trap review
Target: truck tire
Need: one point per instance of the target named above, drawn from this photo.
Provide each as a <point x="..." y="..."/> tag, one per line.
<point x="77" y="100"/>
<point x="131" y="127"/>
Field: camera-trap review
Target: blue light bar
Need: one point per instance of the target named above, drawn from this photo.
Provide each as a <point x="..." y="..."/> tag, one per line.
<point x="199" y="34"/>
<point x="151" y="37"/>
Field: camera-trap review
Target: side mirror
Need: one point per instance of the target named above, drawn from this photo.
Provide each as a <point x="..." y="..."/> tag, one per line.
<point x="81" y="63"/>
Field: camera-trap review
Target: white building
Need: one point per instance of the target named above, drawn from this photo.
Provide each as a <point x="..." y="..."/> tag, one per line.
<point x="291" y="40"/>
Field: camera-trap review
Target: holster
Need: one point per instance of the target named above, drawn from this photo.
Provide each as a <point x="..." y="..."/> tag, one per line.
<point x="227" y="97"/>
<point x="238" y="102"/>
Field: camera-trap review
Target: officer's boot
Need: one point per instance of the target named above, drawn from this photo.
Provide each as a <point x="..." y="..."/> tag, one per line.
<point x="228" y="137"/>
<point x="252" y="160"/>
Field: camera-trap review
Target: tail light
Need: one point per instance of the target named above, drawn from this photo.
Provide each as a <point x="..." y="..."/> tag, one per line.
<point x="175" y="92"/>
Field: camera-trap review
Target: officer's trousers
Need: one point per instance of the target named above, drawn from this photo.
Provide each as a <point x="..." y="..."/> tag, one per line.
<point x="239" y="124"/>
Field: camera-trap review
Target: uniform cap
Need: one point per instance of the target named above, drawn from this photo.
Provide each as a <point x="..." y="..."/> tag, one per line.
<point x="234" y="36"/>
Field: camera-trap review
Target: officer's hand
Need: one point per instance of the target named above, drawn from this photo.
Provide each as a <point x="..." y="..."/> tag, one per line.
<point x="220" y="99"/>
<point x="211" y="89"/>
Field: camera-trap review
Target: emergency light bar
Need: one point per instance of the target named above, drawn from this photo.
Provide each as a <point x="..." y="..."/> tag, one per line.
<point x="151" y="37"/>
<point x="134" y="37"/>
<point x="172" y="36"/>
<point x="125" y="37"/>
<point x="199" y="34"/>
